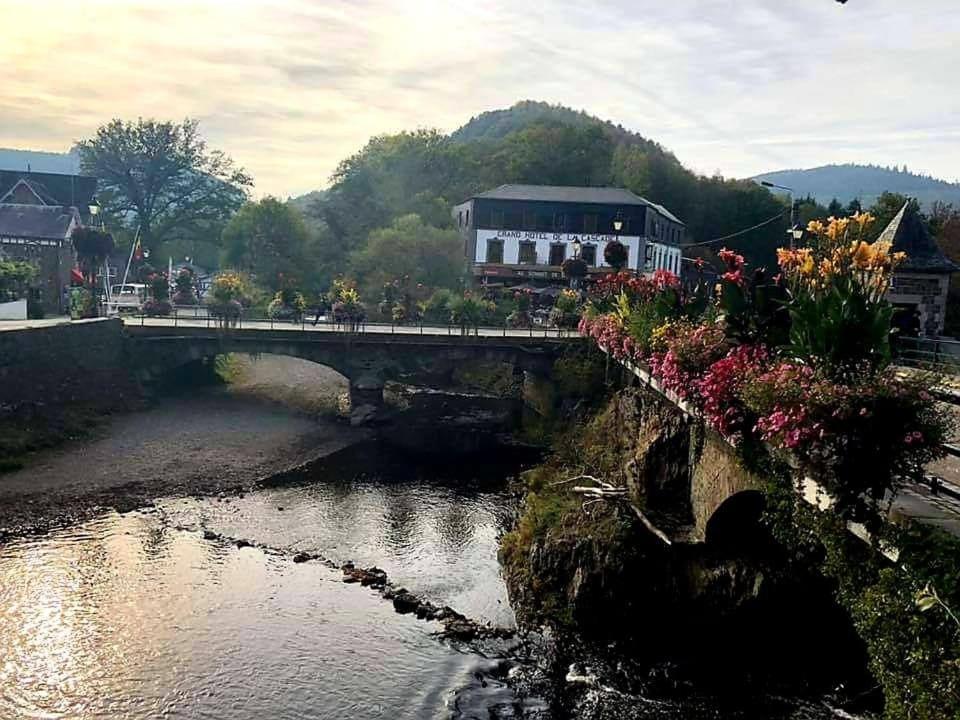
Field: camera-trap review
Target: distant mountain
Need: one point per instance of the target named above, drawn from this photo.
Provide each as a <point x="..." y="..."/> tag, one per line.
<point x="66" y="163"/>
<point x="866" y="182"/>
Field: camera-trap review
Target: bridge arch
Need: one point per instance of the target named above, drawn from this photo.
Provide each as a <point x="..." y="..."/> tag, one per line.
<point x="736" y="521"/>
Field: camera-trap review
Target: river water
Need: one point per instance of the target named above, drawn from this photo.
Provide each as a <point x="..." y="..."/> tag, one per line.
<point x="137" y="615"/>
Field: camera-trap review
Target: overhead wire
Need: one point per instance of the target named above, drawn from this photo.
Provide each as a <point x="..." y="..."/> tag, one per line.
<point x="738" y="233"/>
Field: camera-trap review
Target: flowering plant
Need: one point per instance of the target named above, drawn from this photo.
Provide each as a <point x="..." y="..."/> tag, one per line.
<point x="683" y="351"/>
<point x="720" y="387"/>
<point x="346" y="304"/>
<point x="838" y="311"/>
<point x="616" y="255"/>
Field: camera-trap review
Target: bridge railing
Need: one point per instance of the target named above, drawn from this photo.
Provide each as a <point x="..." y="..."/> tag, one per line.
<point x="941" y="355"/>
<point x="190" y="316"/>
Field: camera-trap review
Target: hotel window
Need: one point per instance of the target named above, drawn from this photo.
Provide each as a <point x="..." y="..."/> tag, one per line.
<point x="544" y="222"/>
<point x="589" y="255"/>
<point x="496" y="219"/>
<point x="467" y="221"/>
<point x="559" y="223"/>
<point x="495" y="251"/>
<point x="528" y="252"/>
<point x="513" y="220"/>
<point x="590" y="224"/>
<point x="558" y="253"/>
<point x="460" y="218"/>
<point x="529" y="220"/>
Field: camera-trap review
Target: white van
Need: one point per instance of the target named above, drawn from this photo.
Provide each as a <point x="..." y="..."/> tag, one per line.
<point x="127" y="298"/>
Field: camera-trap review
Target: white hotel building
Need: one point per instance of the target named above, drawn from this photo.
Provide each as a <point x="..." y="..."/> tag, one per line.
<point x="525" y="232"/>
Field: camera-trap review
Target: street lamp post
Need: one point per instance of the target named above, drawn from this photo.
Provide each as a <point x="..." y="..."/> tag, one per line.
<point x="795" y="232"/>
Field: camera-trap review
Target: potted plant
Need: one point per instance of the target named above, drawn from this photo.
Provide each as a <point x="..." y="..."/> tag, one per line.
<point x="287" y="304"/>
<point x="159" y="301"/>
<point x="184" y="292"/>
<point x="565" y="313"/>
<point x="226" y="294"/>
<point x="347" y="308"/>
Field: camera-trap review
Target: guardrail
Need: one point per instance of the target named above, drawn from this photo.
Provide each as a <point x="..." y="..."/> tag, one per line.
<point x="938" y="354"/>
<point x="191" y="318"/>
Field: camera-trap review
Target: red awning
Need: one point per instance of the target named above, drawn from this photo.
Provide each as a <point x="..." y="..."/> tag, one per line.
<point x="76" y="276"/>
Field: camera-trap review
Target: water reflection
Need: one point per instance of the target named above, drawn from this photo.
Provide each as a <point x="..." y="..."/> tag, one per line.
<point x="123" y="617"/>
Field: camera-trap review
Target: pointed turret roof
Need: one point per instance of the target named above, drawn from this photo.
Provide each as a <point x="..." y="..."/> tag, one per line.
<point x="908" y="233"/>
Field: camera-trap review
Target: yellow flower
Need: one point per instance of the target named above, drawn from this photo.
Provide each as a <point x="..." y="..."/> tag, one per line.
<point x="786" y="259"/>
<point x="826" y="268"/>
<point x="862" y="255"/>
<point x="807" y="264"/>
<point x="816" y="227"/>
<point x="863" y="220"/>
<point x="837" y="228"/>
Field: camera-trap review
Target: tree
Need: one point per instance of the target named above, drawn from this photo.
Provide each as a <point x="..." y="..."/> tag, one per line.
<point x="270" y="240"/>
<point x="409" y="247"/>
<point x="160" y="176"/>
<point x="886" y="208"/>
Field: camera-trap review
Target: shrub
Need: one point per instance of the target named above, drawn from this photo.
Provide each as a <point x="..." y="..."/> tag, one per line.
<point x="14" y="277"/>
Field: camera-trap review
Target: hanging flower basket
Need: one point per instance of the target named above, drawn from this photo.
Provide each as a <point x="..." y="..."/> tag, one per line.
<point x="616" y="254"/>
<point x="574" y="268"/>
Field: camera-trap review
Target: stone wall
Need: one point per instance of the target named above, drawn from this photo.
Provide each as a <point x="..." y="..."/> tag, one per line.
<point x="927" y="293"/>
<point x="77" y="366"/>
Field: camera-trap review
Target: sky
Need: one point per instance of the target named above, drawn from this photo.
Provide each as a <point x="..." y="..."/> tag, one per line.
<point x="288" y="88"/>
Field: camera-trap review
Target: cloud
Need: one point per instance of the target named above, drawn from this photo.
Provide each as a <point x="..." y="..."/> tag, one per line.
<point x="290" y="87"/>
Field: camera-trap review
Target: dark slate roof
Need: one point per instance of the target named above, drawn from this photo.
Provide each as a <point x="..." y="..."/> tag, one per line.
<point x="908" y="233"/>
<point x="572" y="194"/>
<point x="35" y="222"/>
<point x="55" y="189"/>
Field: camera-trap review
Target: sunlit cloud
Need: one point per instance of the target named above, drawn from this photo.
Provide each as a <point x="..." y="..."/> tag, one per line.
<point x="291" y="87"/>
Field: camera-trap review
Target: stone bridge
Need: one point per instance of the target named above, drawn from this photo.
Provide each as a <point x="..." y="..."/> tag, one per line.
<point x="695" y="488"/>
<point x="423" y="356"/>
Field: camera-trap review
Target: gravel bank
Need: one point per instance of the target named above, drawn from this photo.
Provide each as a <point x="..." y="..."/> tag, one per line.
<point x="211" y="441"/>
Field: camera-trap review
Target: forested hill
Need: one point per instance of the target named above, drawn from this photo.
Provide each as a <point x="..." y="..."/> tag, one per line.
<point x="67" y="163"/>
<point x="497" y="124"/>
<point x="426" y="172"/>
<point x="865" y="182"/>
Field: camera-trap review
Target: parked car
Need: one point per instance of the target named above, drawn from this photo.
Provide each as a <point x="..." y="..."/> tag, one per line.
<point x="126" y="298"/>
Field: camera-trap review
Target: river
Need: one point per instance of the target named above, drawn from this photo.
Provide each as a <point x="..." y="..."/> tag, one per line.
<point x="187" y="602"/>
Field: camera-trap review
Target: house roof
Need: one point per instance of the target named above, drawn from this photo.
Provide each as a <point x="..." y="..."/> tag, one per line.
<point x="53" y="188"/>
<point x="573" y="194"/>
<point x="908" y="233"/>
<point x="36" y="222"/>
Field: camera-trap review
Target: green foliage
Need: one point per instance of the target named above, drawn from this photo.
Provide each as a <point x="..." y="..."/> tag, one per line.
<point x="409" y="248"/>
<point x="287" y="304"/>
<point x="470" y="311"/>
<point x="14" y="277"/>
<point x="912" y="641"/>
<point x="270" y="241"/>
<point x="437" y="307"/>
<point x="579" y="374"/>
<point x="162" y="178"/>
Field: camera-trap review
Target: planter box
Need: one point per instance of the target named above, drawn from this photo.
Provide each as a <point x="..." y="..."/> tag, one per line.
<point x="16" y="310"/>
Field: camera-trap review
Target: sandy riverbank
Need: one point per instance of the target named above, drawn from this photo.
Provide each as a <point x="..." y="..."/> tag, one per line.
<point x="274" y="417"/>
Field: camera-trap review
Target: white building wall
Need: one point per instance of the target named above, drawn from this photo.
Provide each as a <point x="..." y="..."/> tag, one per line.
<point x="512" y="238"/>
<point x="664" y="257"/>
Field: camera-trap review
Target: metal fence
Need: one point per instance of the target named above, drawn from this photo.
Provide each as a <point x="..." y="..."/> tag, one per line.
<point x="190" y="316"/>
<point x="937" y="354"/>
